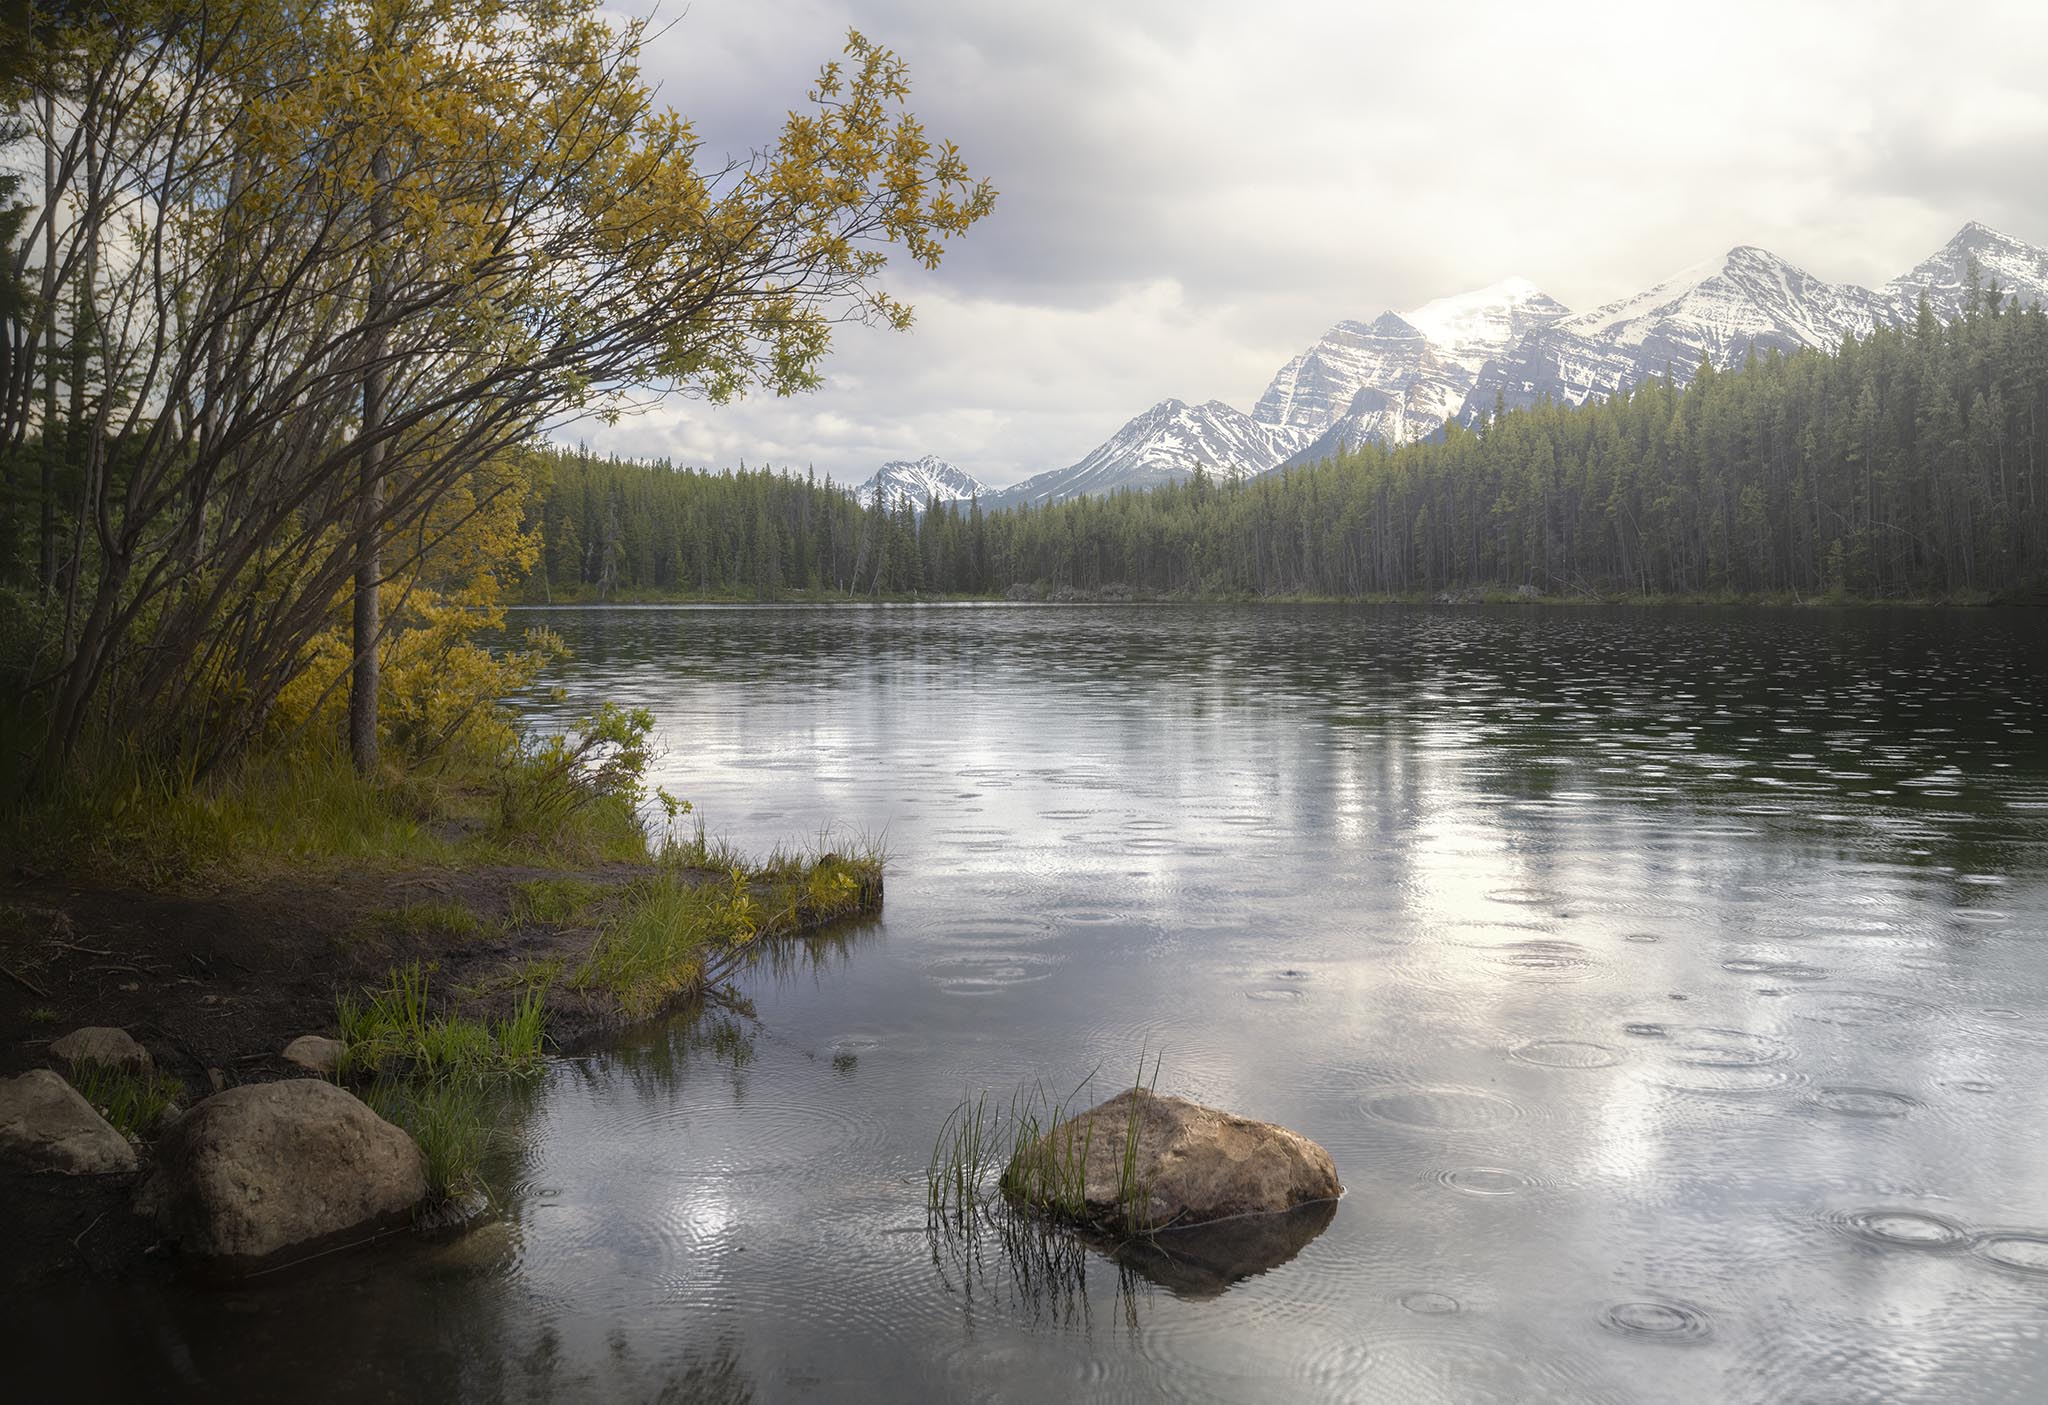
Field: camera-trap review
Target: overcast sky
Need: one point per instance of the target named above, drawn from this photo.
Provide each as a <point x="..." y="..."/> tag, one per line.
<point x="1192" y="191"/>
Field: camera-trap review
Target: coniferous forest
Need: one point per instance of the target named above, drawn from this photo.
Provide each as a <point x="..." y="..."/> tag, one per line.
<point x="1906" y="465"/>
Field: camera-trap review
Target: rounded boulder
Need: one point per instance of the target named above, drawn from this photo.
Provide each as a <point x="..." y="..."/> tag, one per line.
<point x="263" y="1169"/>
<point x="103" y="1045"/>
<point x="47" y="1125"/>
<point x="1192" y="1165"/>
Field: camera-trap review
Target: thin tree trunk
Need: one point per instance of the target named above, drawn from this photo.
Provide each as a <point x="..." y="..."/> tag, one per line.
<point x="364" y="683"/>
<point x="46" y="527"/>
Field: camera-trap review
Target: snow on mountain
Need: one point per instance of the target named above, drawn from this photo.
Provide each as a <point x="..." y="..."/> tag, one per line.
<point x="1472" y="328"/>
<point x="2019" y="269"/>
<point x="918" y="482"/>
<point x="1316" y="388"/>
<point x="1164" y="445"/>
<point x="1402" y="376"/>
<point x="1746" y="300"/>
<point x="1731" y="303"/>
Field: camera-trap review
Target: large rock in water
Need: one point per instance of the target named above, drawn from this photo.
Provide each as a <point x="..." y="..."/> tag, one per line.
<point x="47" y="1125"/>
<point x="1194" y="1164"/>
<point x="268" y="1167"/>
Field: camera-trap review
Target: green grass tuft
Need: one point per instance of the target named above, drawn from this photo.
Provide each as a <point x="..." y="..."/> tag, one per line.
<point x="393" y="1033"/>
<point x="450" y="919"/>
<point x="1033" y="1156"/>
<point x="553" y="902"/>
<point x="656" y="946"/>
<point x="670" y="934"/>
<point x="449" y="1122"/>
<point x="133" y="1100"/>
<point x="432" y="1074"/>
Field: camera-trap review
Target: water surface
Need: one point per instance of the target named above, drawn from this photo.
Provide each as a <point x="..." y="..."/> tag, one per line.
<point x="1670" y="988"/>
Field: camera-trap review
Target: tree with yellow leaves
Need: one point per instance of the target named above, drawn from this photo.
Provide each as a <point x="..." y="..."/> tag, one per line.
<point x="320" y="265"/>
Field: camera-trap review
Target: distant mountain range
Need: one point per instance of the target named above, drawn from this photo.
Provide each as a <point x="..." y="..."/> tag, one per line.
<point x="1402" y="375"/>
<point x="1164" y="445"/>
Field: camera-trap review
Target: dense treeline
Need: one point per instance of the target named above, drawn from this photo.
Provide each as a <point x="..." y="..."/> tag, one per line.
<point x="1905" y="465"/>
<point x="610" y="527"/>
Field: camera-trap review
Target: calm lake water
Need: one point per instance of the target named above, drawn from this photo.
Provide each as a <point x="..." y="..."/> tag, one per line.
<point x="1670" y="988"/>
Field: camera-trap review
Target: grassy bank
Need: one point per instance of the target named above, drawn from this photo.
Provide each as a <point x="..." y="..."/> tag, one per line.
<point x="450" y="925"/>
<point x="575" y="957"/>
<point x="123" y="821"/>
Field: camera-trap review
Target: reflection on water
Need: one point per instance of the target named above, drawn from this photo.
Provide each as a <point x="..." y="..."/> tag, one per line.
<point x="1671" y="989"/>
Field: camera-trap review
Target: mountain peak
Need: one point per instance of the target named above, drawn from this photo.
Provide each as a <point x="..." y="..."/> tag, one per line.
<point x="1165" y="444"/>
<point x="1746" y="293"/>
<point x="2018" y="269"/>
<point x="917" y="482"/>
<point x="1471" y="328"/>
<point x="1978" y="235"/>
<point x="1508" y="292"/>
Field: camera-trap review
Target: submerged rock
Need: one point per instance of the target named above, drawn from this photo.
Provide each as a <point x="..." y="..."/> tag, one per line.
<point x="47" y="1125"/>
<point x="315" y="1053"/>
<point x="99" y="1044"/>
<point x="1193" y="1165"/>
<point x="269" y="1167"/>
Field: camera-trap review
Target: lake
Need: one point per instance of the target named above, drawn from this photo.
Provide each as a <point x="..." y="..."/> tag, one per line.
<point x="1669" y="986"/>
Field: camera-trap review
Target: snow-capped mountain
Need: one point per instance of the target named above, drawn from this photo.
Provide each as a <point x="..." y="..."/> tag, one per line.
<point x="2018" y="269"/>
<point x="1748" y="299"/>
<point x="1401" y="376"/>
<point x="1164" y="445"/>
<point x="918" y="482"/>
<point x="1383" y="375"/>
<point x="1472" y="328"/>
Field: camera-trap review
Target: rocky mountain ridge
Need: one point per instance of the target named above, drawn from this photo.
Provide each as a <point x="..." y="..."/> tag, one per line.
<point x="1403" y="375"/>
<point x="1163" y="445"/>
<point x="918" y="482"/>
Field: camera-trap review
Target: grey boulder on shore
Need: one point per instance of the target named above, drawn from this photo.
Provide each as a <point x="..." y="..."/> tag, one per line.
<point x="266" y="1168"/>
<point x="315" y="1053"/>
<point x="1194" y="1164"/>
<point x="47" y="1125"/>
<point x="103" y="1045"/>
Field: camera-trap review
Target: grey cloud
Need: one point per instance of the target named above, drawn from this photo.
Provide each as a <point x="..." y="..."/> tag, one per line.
<point x="1193" y="191"/>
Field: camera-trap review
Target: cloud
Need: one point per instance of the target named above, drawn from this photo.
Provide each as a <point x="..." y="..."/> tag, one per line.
<point x="1191" y="192"/>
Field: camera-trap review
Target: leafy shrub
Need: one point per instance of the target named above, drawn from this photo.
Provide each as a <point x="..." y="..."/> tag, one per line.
<point x="544" y="784"/>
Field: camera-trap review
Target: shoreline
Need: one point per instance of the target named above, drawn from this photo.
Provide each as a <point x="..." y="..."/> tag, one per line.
<point x="1118" y="595"/>
<point x="215" y="983"/>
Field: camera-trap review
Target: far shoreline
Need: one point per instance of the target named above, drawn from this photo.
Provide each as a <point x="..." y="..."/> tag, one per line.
<point x="1117" y="595"/>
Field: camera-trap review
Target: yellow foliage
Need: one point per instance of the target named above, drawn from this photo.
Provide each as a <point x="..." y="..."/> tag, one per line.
<point x="442" y="689"/>
<point x="462" y="93"/>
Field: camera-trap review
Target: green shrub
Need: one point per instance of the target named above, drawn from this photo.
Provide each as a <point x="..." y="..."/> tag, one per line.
<point x="545" y="783"/>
